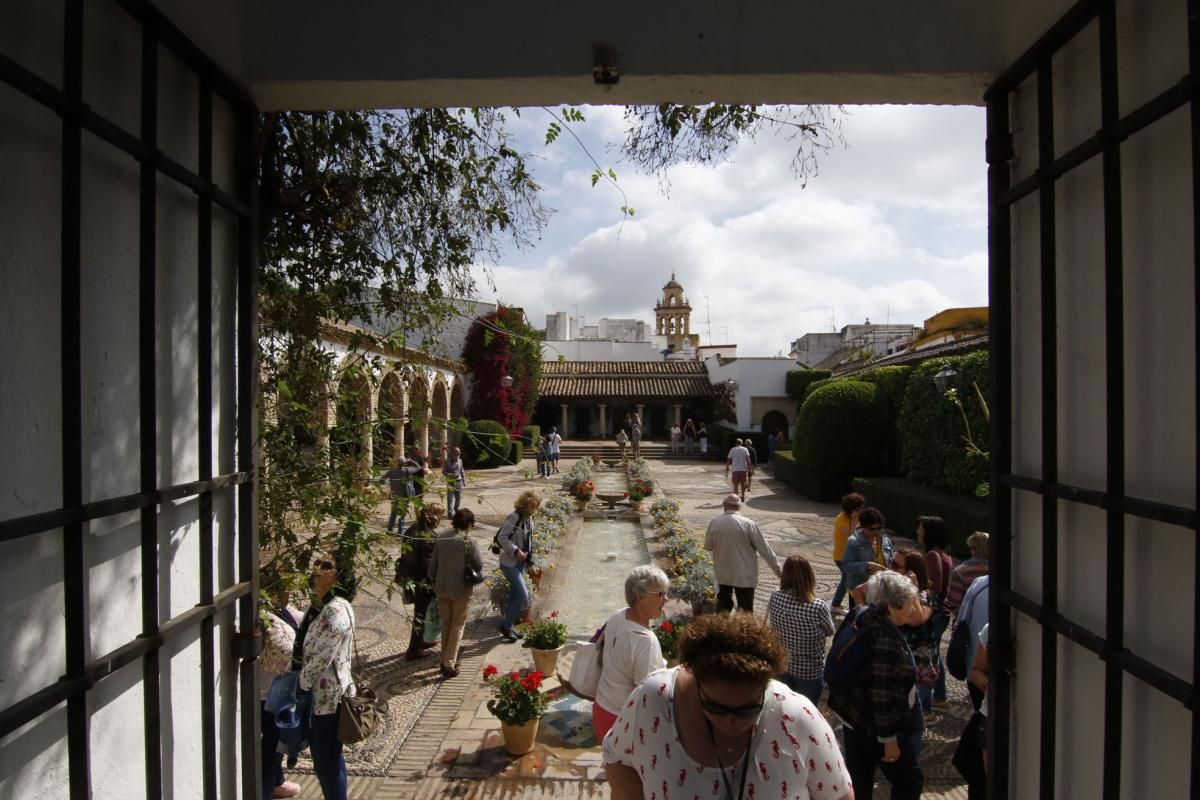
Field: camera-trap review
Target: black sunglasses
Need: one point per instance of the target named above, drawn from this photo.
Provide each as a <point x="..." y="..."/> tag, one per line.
<point x="324" y="564"/>
<point x="718" y="710"/>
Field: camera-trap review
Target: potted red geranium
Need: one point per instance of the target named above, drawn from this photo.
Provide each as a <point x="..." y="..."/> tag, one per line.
<point x="517" y="701"/>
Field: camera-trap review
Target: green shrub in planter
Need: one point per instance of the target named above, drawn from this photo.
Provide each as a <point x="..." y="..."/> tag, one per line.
<point x="486" y="444"/>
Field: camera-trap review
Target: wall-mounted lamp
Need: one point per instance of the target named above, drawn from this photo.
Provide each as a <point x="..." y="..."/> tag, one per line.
<point x="506" y="381"/>
<point x="943" y="378"/>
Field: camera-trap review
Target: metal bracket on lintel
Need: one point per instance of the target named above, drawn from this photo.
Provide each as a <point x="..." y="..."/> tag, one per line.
<point x="246" y="646"/>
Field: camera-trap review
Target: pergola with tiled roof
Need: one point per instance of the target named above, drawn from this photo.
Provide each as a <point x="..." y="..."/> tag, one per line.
<point x="632" y="382"/>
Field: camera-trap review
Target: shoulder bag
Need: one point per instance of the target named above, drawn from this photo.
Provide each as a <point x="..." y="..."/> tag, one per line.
<point x="584" y="679"/>
<point x="471" y="576"/>
<point x="358" y="716"/>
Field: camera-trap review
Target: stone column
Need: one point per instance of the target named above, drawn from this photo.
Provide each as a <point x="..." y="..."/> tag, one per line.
<point x="565" y="408"/>
<point x="603" y="428"/>
<point x="366" y="436"/>
<point x="641" y="412"/>
<point x="679" y="415"/>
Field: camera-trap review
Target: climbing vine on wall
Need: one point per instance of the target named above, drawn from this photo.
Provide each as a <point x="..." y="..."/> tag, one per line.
<point x="501" y="344"/>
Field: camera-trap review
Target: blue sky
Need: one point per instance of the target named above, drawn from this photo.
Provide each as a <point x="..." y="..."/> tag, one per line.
<point x="894" y="227"/>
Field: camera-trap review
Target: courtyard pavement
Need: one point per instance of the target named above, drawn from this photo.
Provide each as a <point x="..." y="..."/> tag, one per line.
<point x="440" y="740"/>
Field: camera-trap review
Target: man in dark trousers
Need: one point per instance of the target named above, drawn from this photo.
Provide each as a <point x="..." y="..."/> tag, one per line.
<point x="406" y="482"/>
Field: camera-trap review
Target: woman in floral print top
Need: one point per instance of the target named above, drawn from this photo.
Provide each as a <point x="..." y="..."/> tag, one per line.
<point x="328" y="644"/>
<point x="718" y="726"/>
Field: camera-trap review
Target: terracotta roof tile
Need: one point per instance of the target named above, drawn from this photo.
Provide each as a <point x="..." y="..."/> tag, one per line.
<point x="600" y="386"/>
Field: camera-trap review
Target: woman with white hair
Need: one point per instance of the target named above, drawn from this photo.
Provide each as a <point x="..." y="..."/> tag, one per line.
<point x="882" y="716"/>
<point x="631" y="650"/>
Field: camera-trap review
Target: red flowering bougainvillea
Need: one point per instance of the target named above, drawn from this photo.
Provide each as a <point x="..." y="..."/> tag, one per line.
<point x="503" y="343"/>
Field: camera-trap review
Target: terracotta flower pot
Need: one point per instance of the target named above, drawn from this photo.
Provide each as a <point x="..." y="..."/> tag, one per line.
<point x="519" y="739"/>
<point x="546" y="661"/>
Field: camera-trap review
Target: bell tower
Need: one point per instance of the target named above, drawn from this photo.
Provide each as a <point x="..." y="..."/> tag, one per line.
<point x="673" y="315"/>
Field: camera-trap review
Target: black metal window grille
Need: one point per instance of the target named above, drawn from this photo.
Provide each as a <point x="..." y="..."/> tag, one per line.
<point x="83" y="675"/>
<point x="1110" y="644"/>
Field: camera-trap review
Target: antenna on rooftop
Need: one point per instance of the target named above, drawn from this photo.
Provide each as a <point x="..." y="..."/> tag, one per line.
<point x="707" y="321"/>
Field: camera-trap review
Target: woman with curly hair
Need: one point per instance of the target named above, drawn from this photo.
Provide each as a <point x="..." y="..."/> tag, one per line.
<point x="719" y="725"/>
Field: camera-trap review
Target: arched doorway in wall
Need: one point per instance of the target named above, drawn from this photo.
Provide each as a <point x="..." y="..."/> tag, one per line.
<point x="774" y="421"/>
<point x="389" y="421"/>
<point x="350" y="437"/>
<point x="437" y="421"/>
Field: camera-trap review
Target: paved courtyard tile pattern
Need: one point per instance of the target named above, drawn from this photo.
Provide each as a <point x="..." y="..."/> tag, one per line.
<point x="440" y="739"/>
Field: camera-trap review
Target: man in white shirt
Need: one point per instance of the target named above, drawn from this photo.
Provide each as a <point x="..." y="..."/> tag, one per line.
<point x="739" y="460"/>
<point x="554" y="442"/>
<point x="736" y="543"/>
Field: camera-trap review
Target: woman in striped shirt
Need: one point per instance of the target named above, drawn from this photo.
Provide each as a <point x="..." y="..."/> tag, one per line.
<point x="803" y="623"/>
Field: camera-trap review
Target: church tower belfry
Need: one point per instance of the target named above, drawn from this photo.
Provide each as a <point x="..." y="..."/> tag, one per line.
<point x="673" y="316"/>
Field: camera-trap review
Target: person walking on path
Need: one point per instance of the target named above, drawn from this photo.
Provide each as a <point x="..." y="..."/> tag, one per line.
<point x="689" y="437"/>
<point x="631" y="649"/>
<point x="516" y="541"/>
<point x="676" y="438"/>
<point x="736" y="543"/>
<point x="456" y="478"/>
<point x="868" y="550"/>
<point x="413" y="569"/>
<point x="702" y="437"/>
<point x="931" y="532"/>
<point x="739" y="460"/>
<point x="554" y="442"/>
<point x="803" y="623"/>
<point x="402" y="481"/>
<point x="966" y="572"/>
<point x="635" y="435"/>
<point x="749" y="445"/>
<point x="453" y="552"/>
<point x="622" y="440"/>
<point x="542" y="457"/>
<point x="843" y="526"/>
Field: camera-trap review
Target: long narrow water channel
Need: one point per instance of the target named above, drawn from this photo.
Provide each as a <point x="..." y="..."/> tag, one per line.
<point x="595" y="581"/>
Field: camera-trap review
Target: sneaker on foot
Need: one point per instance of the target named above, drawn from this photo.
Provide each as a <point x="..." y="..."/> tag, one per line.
<point x="286" y="789"/>
<point x="417" y="655"/>
<point x="509" y="635"/>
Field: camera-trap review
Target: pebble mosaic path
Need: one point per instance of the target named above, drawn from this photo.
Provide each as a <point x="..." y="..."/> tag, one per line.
<point x="440" y="740"/>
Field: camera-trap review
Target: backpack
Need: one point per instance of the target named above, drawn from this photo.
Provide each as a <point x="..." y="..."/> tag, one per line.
<point x="958" y="652"/>
<point x="848" y="652"/>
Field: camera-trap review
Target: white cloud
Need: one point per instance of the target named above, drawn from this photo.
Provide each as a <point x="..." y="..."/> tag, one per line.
<point x="893" y="227"/>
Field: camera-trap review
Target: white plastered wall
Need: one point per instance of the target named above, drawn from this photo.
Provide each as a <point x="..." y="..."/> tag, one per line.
<point x="33" y="760"/>
<point x="1159" y="319"/>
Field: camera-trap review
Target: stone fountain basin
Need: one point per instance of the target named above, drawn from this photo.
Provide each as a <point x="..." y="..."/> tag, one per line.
<point x="611" y="463"/>
<point x="610" y="498"/>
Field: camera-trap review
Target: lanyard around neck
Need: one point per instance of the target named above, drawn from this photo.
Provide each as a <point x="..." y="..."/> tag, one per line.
<point x="712" y="737"/>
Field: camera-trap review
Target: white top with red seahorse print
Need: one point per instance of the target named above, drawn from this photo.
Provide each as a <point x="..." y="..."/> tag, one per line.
<point x="795" y="753"/>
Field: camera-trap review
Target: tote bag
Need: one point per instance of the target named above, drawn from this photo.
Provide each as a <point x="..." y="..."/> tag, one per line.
<point x="584" y="679"/>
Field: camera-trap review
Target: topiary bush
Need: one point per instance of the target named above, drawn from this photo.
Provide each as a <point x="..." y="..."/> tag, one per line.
<point x="486" y="444"/>
<point x="890" y="386"/>
<point x="798" y="381"/>
<point x="839" y="430"/>
<point x="931" y="426"/>
<point x="812" y="387"/>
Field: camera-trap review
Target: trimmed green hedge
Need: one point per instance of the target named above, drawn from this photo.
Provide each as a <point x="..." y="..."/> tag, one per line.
<point x="931" y="426"/>
<point x="891" y="384"/>
<point x="486" y="445"/>
<point x="902" y="501"/>
<point x="839" y="429"/>
<point x="823" y="382"/>
<point x="798" y="381"/>
<point x="516" y="453"/>
<point x="530" y="434"/>
<point x="785" y="467"/>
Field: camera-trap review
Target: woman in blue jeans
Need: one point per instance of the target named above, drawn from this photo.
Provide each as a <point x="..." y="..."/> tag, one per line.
<point x="516" y="540"/>
<point x="328" y="641"/>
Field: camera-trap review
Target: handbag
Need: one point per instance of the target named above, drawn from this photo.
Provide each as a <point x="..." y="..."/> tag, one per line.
<point x="471" y="576"/>
<point x="358" y="716"/>
<point x="584" y="679"/>
<point x="927" y="666"/>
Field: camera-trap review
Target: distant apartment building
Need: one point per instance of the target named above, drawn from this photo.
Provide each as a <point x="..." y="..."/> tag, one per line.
<point x="852" y="343"/>
<point x="562" y="328"/>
